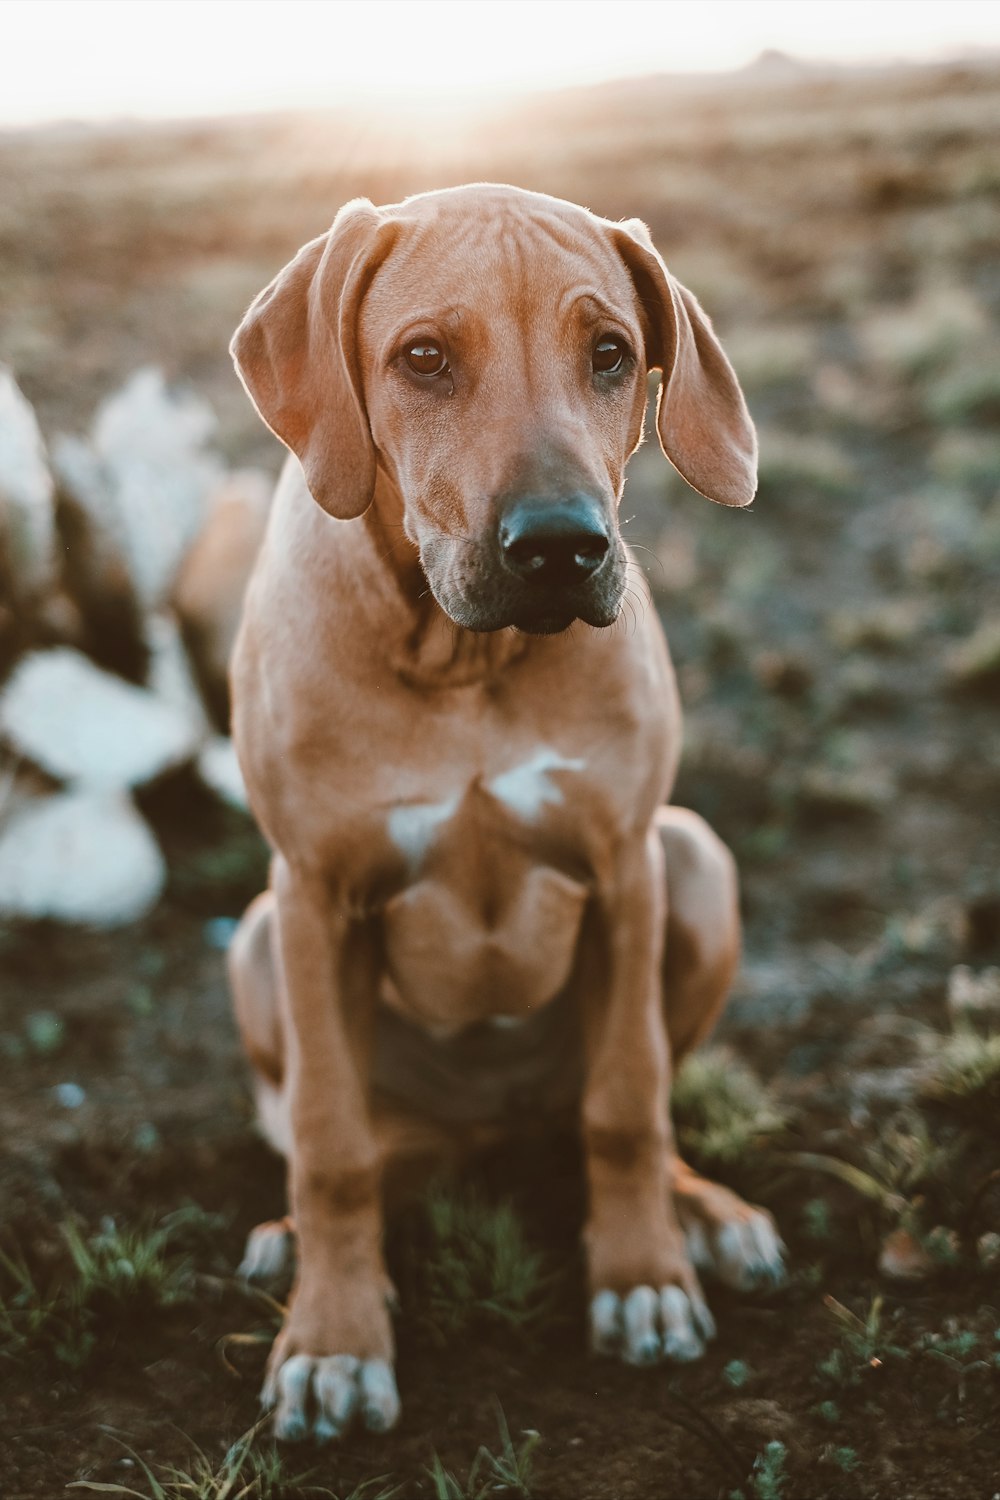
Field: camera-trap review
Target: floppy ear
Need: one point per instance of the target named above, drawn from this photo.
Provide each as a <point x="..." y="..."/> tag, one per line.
<point x="701" y="417"/>
<point x="296" y="354"/>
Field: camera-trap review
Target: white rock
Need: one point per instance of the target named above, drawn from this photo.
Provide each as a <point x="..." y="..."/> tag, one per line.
<point x="143" y="480"/>
<point x="220" y="770"/>
<point x="79" y="856"/>
<point x="170" y="677"/>
<point x="84" y="725"/>
<point x="27" y="513"/>
<point x="83" y="478"/>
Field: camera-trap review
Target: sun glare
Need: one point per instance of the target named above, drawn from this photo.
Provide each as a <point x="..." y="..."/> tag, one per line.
<point x="105" y="58"/>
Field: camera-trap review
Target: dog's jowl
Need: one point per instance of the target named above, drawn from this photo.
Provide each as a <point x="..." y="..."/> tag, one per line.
<point x="479" y="893"/>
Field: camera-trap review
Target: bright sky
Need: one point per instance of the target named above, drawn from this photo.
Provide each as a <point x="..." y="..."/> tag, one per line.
<point x="103" y="58"/>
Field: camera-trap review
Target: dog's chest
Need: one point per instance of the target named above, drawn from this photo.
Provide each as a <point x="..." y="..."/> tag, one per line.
<point x="486" y="920"/>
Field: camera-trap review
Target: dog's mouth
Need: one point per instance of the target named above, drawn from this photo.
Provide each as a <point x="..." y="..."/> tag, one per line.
<point x="532" y="612"/>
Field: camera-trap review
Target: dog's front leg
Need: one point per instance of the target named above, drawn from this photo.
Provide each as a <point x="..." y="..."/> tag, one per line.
<point x="333" y="1358"/>
<point x="646" y="1302"/>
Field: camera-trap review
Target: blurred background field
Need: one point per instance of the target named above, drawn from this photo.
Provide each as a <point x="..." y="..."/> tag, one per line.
<point x="838" y="649"/>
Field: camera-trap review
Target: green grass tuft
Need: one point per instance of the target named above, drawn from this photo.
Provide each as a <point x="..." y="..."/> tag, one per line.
<point x="107" y="1275"/>
<point x="477" y="1266"/>
<point x="767" y="1481"/>
<point x="966" y="1071"/>
<point x="507" y="1472"/>
<point x="244" y="1473"/>
<point x="721" y="1109"/>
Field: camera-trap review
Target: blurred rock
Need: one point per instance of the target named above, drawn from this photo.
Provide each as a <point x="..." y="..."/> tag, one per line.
<point x="79" y="856"/>
<point x="974" y="664"/>
<point x="142" y="482"/>
<point x="972" y="996"/>
<point x="903" y="1258"/>
<point x="27" y="512"/>
<point x="208" y="594"/>
<point x="220" y="770"/>
<point x="83" y="725"/>
<point x="169" y="677"/>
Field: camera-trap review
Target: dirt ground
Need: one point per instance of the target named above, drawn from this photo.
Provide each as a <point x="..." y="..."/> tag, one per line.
<point x="838" y="649"/>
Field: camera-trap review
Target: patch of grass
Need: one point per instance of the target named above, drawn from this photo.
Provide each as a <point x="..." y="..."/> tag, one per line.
<point x="967" y="458"/>
<point x="721" y="1109"/>
<point x="845" y="1459"/>
<point x="737" y="1373"/>
<point x="244" y="1473"/>
<point x="863" y="1343"/>
<point x="477" y="1266"/>
<point x="108" y="1275"/>
<point x="936" y="326"/>
<point x="507" y="1472"/>
<point x="886" y="626"/>
<point x="771" y="355"/>
<point x="768" y="1478"/>
<point x="792" y="461"/>
<point x="968" y="389"/>
<point x="975" y="662"/>
<point x="966" y="1071"/>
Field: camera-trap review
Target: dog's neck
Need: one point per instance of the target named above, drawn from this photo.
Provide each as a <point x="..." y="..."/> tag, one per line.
<point x="427" y="649"/>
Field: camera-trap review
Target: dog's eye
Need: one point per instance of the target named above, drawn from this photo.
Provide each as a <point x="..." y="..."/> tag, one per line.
<point x="426" y="358"/>
<point x="608" y="356"/>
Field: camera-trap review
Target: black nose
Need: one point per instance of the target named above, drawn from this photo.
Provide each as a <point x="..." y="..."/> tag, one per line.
<point x="561" y="542"/>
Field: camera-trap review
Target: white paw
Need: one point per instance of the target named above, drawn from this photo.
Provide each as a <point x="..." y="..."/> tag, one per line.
<point x="320" y="1398"/>
<point x="269" y="1254"/>
<point x="745" y="1253"/>
<point x="647" y="1326"/>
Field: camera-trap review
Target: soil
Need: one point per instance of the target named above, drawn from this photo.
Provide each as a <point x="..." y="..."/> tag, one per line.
<point x="838" y="738"/>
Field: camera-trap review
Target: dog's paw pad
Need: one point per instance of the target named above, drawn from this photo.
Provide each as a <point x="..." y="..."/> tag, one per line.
<point x="269" y="1254"/>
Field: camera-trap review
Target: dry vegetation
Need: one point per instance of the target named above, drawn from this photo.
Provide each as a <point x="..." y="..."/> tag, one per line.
<point x="839" y="654"/>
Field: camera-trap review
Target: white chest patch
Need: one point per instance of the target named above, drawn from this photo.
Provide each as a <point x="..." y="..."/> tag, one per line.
<point x="529" y="787"/>
<point x="412" y="828"/>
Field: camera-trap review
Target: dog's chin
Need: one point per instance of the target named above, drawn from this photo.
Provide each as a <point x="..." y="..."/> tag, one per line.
<point x="529" y="617"/>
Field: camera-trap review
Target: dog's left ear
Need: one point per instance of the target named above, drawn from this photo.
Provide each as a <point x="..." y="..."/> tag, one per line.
<point x="701" y="417"/>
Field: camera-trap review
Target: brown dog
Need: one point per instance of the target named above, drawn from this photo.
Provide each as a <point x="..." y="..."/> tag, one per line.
<point x="478" y="900"/>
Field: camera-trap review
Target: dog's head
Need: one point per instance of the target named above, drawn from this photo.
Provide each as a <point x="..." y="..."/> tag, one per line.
<point x="488" y="349"/>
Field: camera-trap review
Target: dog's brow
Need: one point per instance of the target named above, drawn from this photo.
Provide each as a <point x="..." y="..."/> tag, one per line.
<point x="592" y="299"/>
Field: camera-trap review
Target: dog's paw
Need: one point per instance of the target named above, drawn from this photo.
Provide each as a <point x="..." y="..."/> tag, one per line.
<point x="744" y="1252"/>
<point x="270" y="1253"/>
<point x="647" y="1325"/>
<point x="321" y="1398"/>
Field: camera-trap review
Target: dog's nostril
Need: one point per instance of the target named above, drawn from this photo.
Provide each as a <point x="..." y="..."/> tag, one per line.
<point x="562" y="543"/>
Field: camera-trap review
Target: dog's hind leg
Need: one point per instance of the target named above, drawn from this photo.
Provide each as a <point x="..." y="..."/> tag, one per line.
<point x="725" y="1236"/>
<point x="269" y="1256"/>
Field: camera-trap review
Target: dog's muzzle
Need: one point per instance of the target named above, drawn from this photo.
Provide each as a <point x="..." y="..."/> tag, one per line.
<point x="558" y="555"/>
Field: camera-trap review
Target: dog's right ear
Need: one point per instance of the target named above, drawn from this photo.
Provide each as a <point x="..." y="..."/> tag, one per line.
<point x="296" y="354"/>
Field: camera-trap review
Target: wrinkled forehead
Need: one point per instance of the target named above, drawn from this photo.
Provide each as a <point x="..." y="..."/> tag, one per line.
<point x="524" y="255"/>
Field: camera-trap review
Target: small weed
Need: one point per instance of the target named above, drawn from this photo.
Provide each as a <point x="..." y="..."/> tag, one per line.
<point x="721" y="1109"/>
<point x="767" y="1481"/>
<point x="975" y="662"/>
<point x="966" y="1071"/>
<point x="828" y="1411"/>
<point x="845" y="1459"/>
<point x="863" y="1343"/>
<point x="108" y="1274"/>
<point x="737" y="1373"/>
<point x="816" y="1218"/>
<point x="46" y="1032"/>
<point x="245" y="1473"/>
<point x="507" y="1472"/>
<point x="478" y="1266"/>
